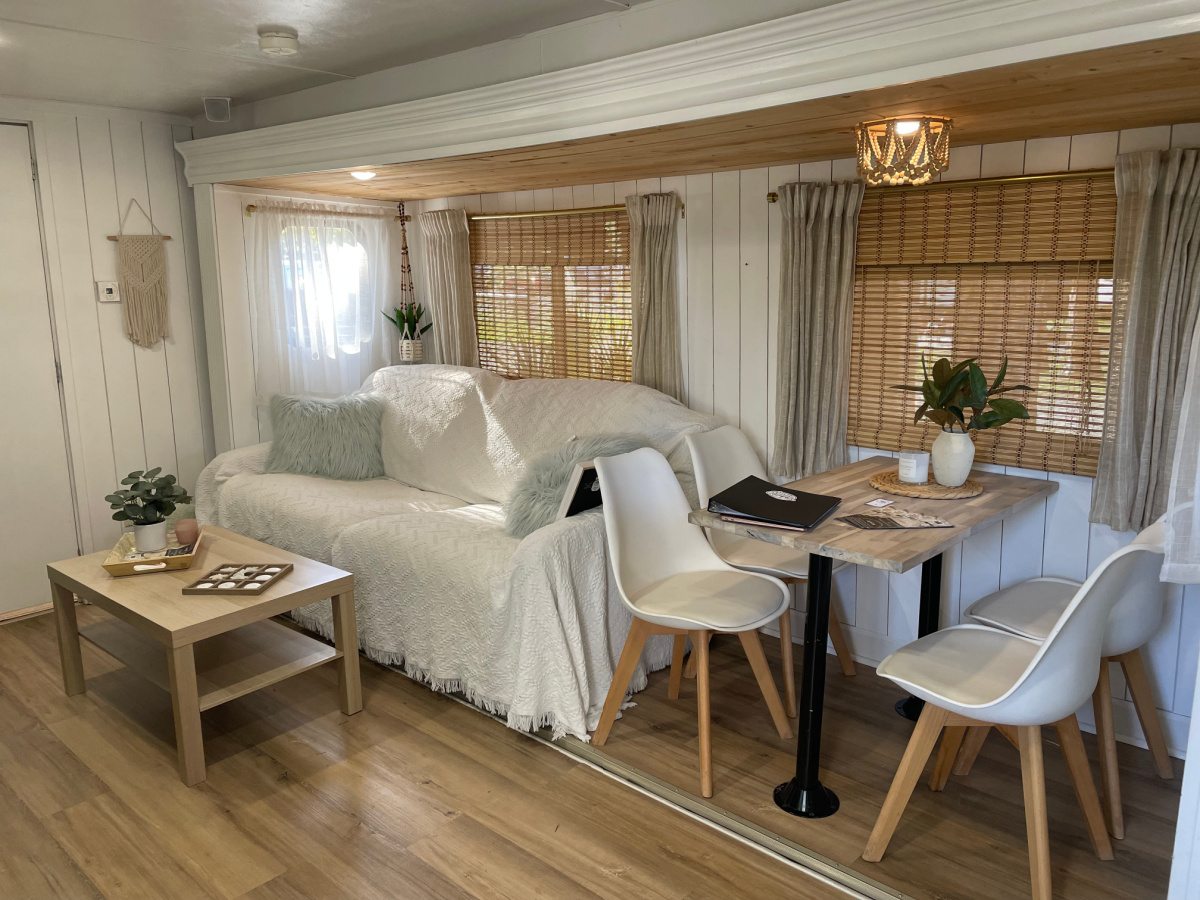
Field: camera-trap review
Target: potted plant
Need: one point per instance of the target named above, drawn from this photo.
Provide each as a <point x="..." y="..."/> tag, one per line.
<point x="408" y="318"/>
<point x="959" y="399"/>
<point x="146" y="501"/>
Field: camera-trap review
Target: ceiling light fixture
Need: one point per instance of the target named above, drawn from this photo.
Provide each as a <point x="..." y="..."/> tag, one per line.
<point x="275" y="40"/>
<point x="903" y="150"/>
<point x="362" y="176"/>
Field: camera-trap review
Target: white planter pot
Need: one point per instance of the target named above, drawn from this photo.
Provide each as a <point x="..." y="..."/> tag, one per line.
<point x="410" y="351"/>
<point x="953" y="453"/>
<point x="149" y="538"/>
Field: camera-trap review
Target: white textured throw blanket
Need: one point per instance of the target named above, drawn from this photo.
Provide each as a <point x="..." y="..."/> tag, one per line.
<point x="529" y="629"/>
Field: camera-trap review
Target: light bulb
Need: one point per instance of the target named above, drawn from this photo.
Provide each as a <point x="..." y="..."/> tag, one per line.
<point x="362" y="176"/>
<point x="907" y="127"/>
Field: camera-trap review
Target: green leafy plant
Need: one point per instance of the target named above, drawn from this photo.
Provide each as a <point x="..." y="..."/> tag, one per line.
<point x="407" y="318"/>
<point x="958" y="397"/>
<point x="148" y="499"/>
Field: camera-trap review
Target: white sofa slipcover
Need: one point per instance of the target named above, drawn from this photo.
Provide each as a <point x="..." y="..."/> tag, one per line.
<point x="530" y="629"/>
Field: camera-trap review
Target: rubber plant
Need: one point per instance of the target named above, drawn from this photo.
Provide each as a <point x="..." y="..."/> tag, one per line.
<point x="408" y="319"/>
<point x="148" y="498"/>
<point x="958" y="397"/>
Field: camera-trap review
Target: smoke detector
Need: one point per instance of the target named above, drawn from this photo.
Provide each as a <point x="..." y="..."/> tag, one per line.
<point x="276" y="41"/>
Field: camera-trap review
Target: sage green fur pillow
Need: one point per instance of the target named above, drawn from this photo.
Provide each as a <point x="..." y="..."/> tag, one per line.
<point x="535" y="500"/>
<point x="339" y="438"/>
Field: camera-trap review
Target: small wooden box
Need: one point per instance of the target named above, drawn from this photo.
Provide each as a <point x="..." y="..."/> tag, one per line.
<point x="238" y="576"/>
<point x="166" y="560"/>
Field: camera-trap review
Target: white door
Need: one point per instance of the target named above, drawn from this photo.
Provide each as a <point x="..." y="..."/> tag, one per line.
<point x="37" y="514"/>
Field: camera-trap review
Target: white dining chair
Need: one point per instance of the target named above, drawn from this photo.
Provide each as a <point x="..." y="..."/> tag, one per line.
<point x="973" y="676"/>
<point x="1031" y="608"/>
<point x="721" y="458"/>
<point x="671" y="580"/>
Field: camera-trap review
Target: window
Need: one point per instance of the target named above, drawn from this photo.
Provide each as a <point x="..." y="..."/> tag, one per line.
<point x="1021" y="269"/>
<point x="320" y="274"/>
<point x="552" y="296"/>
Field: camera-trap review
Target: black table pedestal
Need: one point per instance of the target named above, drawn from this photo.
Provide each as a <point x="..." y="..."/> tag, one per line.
<point x="804" y="795"/>
<point x="928" y="621"/>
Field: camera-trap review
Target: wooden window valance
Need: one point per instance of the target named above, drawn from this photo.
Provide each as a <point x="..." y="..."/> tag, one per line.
<point x="552" y="296"/>
<point x="1019" y="268"/>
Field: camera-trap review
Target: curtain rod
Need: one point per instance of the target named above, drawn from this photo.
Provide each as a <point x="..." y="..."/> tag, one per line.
<point x="1011" y="179"/>
<point x="555" y="212"/>
<point x="251" y="209"/>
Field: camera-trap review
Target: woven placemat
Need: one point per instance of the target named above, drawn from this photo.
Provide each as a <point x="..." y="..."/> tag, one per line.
<point x="890" y="483"/>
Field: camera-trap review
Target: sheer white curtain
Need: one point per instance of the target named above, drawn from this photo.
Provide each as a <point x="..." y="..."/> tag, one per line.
<point x="320" y="275"/>
<point x="1182" y="562"/>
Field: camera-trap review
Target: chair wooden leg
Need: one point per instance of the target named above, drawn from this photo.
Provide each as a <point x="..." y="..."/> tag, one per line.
<point x="676" y="666"/>
<point x="634" y="644"/>
<point x="789" y="663"/>
<point x="1147" y="710"/>
<point x="1033" y="782"/>
<point x="838" y="638"/>
<point x="1071" y="742"/>
<point x="972" y="744"/>
<point x="1010" y="734"/>
<point x="920" y="745"/>
<point x="690" y="670"/>
<point x="1106" y="739"/>
<point x="952" y="739"/>
<point x="700" y="642"/>
<point x="762" y="672"/>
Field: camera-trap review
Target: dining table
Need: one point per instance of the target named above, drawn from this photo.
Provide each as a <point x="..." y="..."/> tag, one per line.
<point x="894" y="550"/>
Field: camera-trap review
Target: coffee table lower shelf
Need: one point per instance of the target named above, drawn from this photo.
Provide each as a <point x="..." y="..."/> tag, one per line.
<point x="228" y="666"/>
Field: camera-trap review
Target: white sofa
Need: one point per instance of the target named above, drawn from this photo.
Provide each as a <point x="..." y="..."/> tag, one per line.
<point x="528" y="629"/>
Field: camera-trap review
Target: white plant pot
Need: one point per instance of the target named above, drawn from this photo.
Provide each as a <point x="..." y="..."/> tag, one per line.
<point x="952" y="453"/>
<point x="410" y="351"/>
<point x="149" y="538"/>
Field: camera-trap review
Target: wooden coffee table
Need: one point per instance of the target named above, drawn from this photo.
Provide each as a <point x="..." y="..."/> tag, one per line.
<point x="206" y="650"/>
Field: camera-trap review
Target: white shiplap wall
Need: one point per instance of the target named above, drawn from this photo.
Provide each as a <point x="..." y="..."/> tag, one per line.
<point x="728" y="277"/>
<point x="127" y="407"/>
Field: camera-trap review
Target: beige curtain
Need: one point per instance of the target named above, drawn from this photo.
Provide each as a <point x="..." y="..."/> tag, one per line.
<point x="657" y="361"/>
<point x="451" y="299"/>
<point x="1156" y="298"/>
<point x="816" y="299"/>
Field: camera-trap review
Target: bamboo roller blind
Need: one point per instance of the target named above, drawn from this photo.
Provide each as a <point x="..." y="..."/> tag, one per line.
<point x="552" y="297"/>
<point x="1016" y="269"/>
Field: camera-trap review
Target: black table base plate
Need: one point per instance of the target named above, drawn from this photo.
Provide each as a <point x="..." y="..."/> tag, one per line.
<point x="816" y="803"/>
<point x="910" y="708"/>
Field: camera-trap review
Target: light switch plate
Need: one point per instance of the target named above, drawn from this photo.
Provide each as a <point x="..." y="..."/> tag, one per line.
<point x="108" y="292"/>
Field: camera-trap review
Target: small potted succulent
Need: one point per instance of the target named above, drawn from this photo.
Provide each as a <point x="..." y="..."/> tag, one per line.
<point x="408" y="319"/>
<point x="959" y="398"/>
<point x="146" y="501"/>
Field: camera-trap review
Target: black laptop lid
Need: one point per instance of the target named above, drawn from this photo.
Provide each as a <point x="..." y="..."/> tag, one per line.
<point x="755" y="498"/>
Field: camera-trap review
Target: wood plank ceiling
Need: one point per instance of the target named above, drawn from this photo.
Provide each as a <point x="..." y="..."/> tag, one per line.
<point x="1130" y="86"/>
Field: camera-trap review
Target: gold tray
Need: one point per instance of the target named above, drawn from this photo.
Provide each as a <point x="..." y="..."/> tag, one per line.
<point x="890" y="483"/>
<point x="117" y="564"/>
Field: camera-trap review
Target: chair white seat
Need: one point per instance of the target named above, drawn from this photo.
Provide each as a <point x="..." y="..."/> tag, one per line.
<point x="1030" y="608"/>
<point x="759" y="556"/>
<point x="962" y="668"/>
<point x="717" y="600"/>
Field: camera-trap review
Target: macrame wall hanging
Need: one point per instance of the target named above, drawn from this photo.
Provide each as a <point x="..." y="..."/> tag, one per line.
<point x="142" y="272"/>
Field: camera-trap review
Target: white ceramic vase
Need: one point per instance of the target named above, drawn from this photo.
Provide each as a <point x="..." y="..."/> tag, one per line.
<point x="953" y="453"/>
<point x="410" y="351"/>
<point x="149" y="538"/>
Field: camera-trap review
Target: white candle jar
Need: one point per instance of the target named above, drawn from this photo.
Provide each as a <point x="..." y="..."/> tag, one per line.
<point x="914" y="467"/>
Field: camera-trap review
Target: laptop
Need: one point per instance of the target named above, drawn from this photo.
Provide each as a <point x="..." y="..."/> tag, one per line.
<point x="754" y="500"/>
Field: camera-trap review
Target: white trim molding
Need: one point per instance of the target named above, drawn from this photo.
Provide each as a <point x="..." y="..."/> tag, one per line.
<point x="850" y="46"/>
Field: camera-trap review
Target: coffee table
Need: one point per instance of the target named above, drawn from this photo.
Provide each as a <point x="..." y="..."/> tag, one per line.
<point x="206" y="650"/>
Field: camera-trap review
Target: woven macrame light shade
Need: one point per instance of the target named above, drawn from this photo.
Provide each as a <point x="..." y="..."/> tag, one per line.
<point x="892" y="151"/>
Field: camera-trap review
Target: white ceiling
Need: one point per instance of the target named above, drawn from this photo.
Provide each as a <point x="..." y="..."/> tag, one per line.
<point x="167" y="54"/>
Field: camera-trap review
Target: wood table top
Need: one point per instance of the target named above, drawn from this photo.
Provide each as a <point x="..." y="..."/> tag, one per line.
<point x="155" y="604"/>
<point x="895" y="550"/>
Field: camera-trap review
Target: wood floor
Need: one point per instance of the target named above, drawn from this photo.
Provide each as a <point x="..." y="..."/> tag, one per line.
<point x="965" y="843"/>
<point x="415" y="797"/>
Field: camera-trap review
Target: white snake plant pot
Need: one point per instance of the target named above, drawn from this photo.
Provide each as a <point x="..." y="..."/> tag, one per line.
<point x="410" y="351"/>
<point x="149" y="538"/>
<point x="953" y="454"/>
